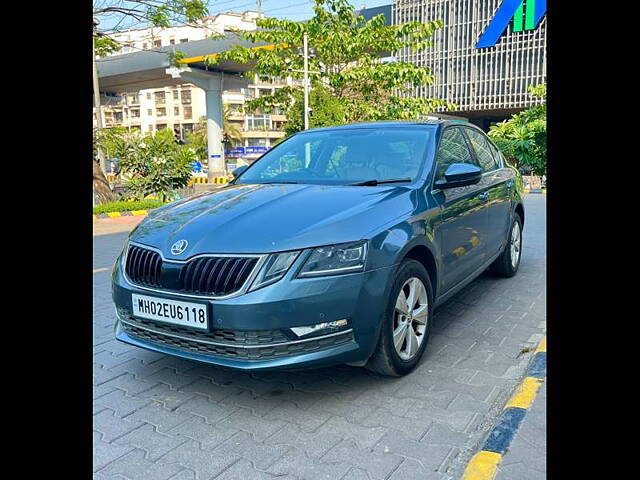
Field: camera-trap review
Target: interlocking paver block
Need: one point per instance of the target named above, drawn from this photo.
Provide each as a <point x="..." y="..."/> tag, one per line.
<point x="206" y="388"/>
<point x="205" y="463"/>
<point x="364" y="437"/>
<point x="134" y="466"/>
<point x="202" y="407"/>
<point x="259" y="406"/>
<point x="297" y="464"/>
<point x="313" y="444"/>
<point x="105" y="453"/>
<point x="154" y="443"/>
<point x="256" y="426"/>
<point x="111" y="426"/>
<point x="120" y="402"/>
<point x="413" y="470"/>
<point x="429" y="455"/>
<point x="307" y="419"/>
<point x="378" y="466"/>
<point x="243" y="470"/>
<point x="160" y="417"/>
<point x="209" y="436"/>
<point x="261" y="455"/>
<point x="166" y="396"/>
<point x="412" y="427"/>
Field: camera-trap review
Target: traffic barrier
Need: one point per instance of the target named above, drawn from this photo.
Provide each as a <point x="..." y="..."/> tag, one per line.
<point x="217" y="180"/>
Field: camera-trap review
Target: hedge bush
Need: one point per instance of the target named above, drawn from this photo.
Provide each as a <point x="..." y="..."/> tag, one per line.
<point x="126" y="206"/>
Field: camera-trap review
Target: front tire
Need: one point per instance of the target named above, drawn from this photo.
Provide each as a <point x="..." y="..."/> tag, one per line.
<point x="406" y="323"/>
<point x="506" y="265"/>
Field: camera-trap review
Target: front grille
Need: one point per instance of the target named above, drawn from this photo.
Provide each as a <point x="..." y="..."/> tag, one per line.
<point x="207" y="275"/>
<point x="143" y="266"/>
<point x="237" y="352"/>
<point x="216" y="275"/>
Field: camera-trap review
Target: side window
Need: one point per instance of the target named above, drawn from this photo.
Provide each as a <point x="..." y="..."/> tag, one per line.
<point x="483" y="150"/>
<point x="497" y="155"/>
<point x="453" y="149"/>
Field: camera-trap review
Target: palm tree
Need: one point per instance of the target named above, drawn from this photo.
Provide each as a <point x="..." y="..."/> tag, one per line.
<point x="231" y="132"/>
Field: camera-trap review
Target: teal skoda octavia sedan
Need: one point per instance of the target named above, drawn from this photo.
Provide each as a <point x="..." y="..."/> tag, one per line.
<point x="334" y="247"/>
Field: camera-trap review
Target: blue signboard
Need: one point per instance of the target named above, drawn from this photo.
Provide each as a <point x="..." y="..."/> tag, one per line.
<point x="241" y="151"/>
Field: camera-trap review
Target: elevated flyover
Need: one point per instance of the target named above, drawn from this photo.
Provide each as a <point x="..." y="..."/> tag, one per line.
<point x="151" y="69"/>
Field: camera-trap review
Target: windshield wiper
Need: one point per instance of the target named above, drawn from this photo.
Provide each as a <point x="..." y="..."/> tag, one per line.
<point x="373" y="183"/>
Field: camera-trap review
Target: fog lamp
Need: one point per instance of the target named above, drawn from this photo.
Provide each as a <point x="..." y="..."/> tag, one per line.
<point x="307" y="330"/>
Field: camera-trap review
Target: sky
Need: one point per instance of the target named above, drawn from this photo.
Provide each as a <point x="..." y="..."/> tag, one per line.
<point x="291" y="9"/>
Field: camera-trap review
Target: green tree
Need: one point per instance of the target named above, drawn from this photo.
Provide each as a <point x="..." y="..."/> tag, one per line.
<point x="156" y="164"/>
<point x="523" y="138"/>
<point x="143" y="13"/>
<point x="197" y="139"/>
<point x="349" y="82"/>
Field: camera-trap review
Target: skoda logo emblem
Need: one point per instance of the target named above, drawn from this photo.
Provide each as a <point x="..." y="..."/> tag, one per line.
<point x="179" y="247"/>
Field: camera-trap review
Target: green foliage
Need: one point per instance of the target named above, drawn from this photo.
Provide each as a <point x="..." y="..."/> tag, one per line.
<point x="124" y="206"/>
<point x="105" y="45"/>
<point x="197" y="139"/>
<point x="327" y="110"/>
<point x="145" y="13"/>
<point x="351" y="83"/>
<point x="523" y="138"/>
<point x="154" y="164"/>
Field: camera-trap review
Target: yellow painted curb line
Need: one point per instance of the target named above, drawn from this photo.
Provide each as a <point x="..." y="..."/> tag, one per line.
<point x="139" y="212"/>
<point x="483" y="465"/>
<point x="525" y="394"/>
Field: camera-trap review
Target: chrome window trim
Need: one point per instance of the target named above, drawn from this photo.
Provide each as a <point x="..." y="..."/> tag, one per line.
<point x="218" y="344"/>
<point x="242" y="290"/>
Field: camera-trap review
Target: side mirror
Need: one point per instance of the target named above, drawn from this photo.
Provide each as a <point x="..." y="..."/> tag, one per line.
<point x="460" y="175"/>
<point x="238" y="171"/>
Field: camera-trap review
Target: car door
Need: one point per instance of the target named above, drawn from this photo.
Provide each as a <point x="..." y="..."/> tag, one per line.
<point x="460" y="226"/>
<point x="498" y="181"/>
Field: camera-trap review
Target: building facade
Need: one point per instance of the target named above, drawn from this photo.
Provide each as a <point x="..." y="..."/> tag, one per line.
<point x="487" y="79"/>
<point x="181" y="107"/>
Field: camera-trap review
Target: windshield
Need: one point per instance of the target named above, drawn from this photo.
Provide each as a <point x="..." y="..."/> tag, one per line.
<point x="339" y="157"/>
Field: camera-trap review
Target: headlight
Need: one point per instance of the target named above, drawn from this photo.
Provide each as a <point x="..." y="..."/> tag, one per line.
<point x="335" y="259"/>
<point x="274" y="268"/>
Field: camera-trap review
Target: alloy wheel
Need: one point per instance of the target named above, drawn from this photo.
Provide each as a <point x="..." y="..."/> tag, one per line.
<point x="410" y="318"/>
<point x="516" y="241"/>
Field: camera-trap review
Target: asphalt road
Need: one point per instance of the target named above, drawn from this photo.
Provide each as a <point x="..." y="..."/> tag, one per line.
<point x="158" y="417"/>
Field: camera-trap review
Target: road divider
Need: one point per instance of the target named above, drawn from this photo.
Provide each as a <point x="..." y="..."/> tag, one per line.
<point x="133" y="213"/>
<point x="484" y="464"/>
<point x="218" y="180"/>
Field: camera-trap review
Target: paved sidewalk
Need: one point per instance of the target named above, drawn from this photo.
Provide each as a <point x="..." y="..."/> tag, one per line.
<point x="158" y="417"/>
<point x="526" y="458"/>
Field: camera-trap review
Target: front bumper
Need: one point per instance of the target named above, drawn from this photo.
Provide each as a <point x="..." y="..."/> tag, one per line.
<point x="253" y="331"/>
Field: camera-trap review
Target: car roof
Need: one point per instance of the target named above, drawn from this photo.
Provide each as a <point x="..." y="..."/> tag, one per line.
<point x="392" y="124"/>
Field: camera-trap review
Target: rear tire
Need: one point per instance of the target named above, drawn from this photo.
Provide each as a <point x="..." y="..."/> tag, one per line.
<point x="506" y="265"/>
<point x="406" y="323"/>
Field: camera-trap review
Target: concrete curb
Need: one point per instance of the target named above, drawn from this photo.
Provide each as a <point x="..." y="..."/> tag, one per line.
<point x="484" y="464"/>
<point x="132" y="213"/>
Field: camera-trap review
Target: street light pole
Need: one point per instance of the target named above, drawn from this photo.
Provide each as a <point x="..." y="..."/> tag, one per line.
<point x="306" y="81"/>
<point x="96" y="97"/>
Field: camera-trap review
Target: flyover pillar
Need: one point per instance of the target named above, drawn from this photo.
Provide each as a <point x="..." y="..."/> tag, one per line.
<point x="215" y="147"/>
<point x="212" y="84"/>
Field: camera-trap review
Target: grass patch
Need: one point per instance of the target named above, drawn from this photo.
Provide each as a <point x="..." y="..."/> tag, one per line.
<point x="126" y="206"/>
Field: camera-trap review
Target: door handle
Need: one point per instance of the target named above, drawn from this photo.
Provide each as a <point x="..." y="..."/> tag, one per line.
<point x="484" y="196"/>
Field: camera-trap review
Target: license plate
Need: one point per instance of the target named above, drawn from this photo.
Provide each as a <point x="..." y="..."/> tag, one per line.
<point x="186" y="314"/>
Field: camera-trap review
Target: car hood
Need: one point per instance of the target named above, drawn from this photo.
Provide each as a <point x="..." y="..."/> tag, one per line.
<point x="269" y="218"/>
